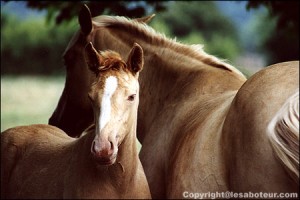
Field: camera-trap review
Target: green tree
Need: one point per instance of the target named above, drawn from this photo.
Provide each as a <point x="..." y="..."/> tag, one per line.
<point x="200" y="22"/>
<point x="30" y="47"/>
<point x="67" y="10"/>
<point x="280" y="28"/>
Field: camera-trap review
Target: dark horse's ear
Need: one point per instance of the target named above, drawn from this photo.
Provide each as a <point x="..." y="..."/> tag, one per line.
<point x="146" y="19"/>
<point x="92" y="57"/>
<point x="135" y="60"/>
<point x="85" y="20"/>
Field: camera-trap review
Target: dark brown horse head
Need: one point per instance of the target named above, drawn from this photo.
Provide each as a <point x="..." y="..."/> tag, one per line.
<point x="74" y="112"/>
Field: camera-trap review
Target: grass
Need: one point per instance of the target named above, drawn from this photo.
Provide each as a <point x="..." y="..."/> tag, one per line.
<point x="28" y="99"/>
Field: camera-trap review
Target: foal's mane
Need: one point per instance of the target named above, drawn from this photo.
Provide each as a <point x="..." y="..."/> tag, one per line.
<point x="147" y="33"/>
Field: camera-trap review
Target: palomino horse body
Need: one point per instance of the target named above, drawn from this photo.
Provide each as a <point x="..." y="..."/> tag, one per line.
<point x="187" y="95"/>
<point x="41" y="161"/>
<point x="248" y="151"/>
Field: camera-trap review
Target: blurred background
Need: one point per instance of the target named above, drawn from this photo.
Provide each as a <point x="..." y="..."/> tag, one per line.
<point x="248" y="34"/>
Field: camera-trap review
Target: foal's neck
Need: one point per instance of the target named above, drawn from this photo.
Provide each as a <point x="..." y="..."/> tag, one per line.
<point x="128" y="153"/>
<point x="127" y="159"/>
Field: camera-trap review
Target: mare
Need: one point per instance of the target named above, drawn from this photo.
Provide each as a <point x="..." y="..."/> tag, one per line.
<point x="201" y="123"/>
<point x="42" y="161"/>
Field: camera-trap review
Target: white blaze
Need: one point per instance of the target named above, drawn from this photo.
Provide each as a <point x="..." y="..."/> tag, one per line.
<point x="110" y="87"/>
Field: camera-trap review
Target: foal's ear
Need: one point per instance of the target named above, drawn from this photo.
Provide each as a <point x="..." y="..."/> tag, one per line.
<point x="92" y="57"/>
<point x="135" y="60"/>
<point x="85" y="20"/>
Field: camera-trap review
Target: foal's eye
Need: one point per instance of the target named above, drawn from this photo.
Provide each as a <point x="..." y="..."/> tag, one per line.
<point x="131" y="97"/>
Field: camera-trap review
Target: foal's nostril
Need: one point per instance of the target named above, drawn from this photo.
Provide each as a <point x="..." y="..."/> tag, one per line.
<point x="93" y="147"/>
<point x="111" y="146"/>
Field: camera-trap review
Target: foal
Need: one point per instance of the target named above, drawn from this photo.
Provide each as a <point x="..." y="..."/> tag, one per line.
<point x="41" y="161"/>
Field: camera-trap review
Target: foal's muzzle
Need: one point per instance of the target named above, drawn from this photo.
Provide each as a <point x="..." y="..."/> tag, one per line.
<point x="104" y="152"/>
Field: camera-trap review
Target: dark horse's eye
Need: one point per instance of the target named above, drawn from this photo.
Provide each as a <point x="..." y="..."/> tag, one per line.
<point x="131" y="97"/>
<point x="89" y="97"/>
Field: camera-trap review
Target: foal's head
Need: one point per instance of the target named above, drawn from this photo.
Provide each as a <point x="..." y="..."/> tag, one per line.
<point x="114" y="96"/>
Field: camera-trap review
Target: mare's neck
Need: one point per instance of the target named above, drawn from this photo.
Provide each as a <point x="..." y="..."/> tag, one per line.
<point x="157" y="78"/>
<point x="170" y="75"/>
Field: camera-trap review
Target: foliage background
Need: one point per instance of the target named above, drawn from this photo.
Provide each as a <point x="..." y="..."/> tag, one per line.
<point x="249" y="35"/>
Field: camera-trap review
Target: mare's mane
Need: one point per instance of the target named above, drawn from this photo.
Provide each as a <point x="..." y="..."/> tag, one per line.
<point x="147" y="33"/>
